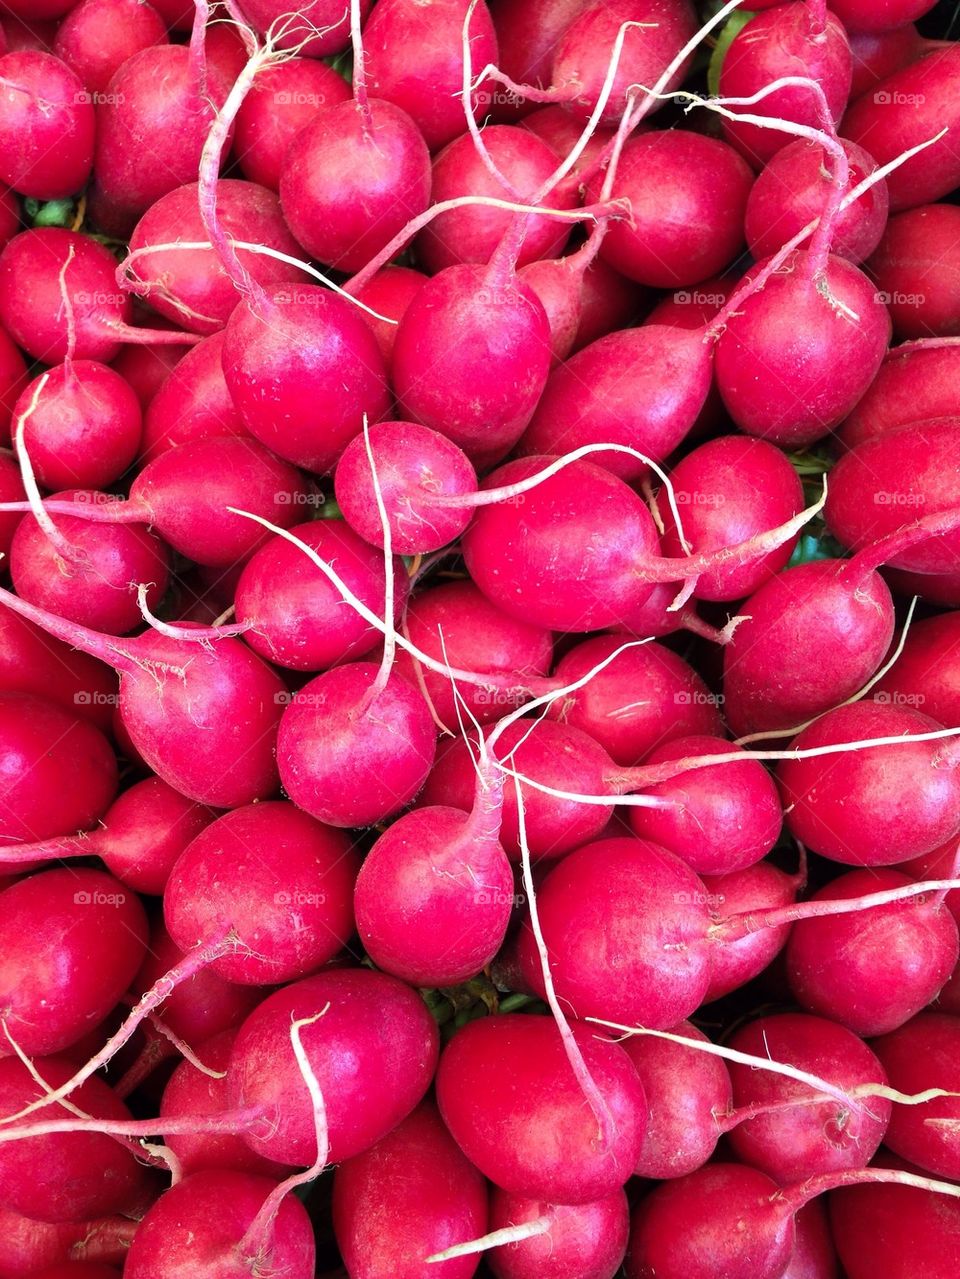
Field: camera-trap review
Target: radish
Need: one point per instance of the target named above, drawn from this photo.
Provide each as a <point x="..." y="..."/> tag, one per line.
<point x="204" y="1222"/>
<point x="417" y="1178"/>
<point x="917" y="1055"/>
<point x="896" y="1231"/>
<point x="28" y="1247"/>
<point x="11" y="490"/>
<point x="814" y="1255"/>
<point x="67" y="1176"/>
<point x="915" y="382"/>
<point x="373" y="1052"/>
<point x="607" y="302"/>
<point x="193" y="403"/>
<point x="145" y="368"/>
<point x="388" y="292"/>
<point x="290" y="900"/>
<point x="764" y="894"/>
<point x="283" y="99"/>
<point x="925" y="675"/>
<point x="560" y="130"/>
<point x="581" y="1241"/>
<point x="687" y="1091"/>
<point x="47" y="132"/>
<point x="861" y="15"/>
<point x="32" y="662"/>
<point x="878" y="54"/>
<point x="504" y="1081"/>
<point x="13" y="378"/>
<point x="874" y="970"/>
<point x="778" y="1125"/>
<point x="97" y="36"/>
<point x="72" y="942"/>
<point x="915" y="266"/>
<point x="558" y="285"/>
<point x="322" y="21"/>
<point x="527" y="36"/>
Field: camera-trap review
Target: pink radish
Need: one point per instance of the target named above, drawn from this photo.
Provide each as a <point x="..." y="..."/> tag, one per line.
<point x="915" y="267"/>
<point x="388" y="292"/>
<point x="581" y="1241"/>
<point x="47" y="131"/>
<point x="919" y="1055"/>
<point x="145" y="368"/>
<point x="193" y="403"/>
<point x="98" y="36"/>
<point x="32" y="662"/>
<point x="323" y="21"/>
<point x="925" y="675"/>
<point x="29" y="1246"/>
<point x="915" y="383"/>
<point x="740" y="897"/>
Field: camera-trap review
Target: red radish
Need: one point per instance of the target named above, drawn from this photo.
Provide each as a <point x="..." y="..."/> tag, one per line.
<point x="78" y="1270"/>
<point x="476" y="636"/>
<point x="152" y="125"/>
<point x="290" y="352"/>
<point x="90" y="573"/>
<point x="645" y="696"/>
<point x="878" y="54"/>
<point x="373" y="1053"/>
<point x="770" y="680"/>
<point x="472" y="233"/>
<point x="98" y="36"/>
<point x="719" y="819"/>
<point x="559" y="288"/>
<point x="323" y="21"/>
<point x="72" y="942"/>
<point x="527" y="35"/>
<point x="814" y="1255"/>
<point x="896" y="1231"/>
<point x="27" y="1247"/>
<point x="641" y="387"/>
<point x="788" y="40"/>
<point x="861" y="15"/>
<point x="9" y="216"/>
<point x="926" y="675"/>
<point x="190" y="1092"/>
<point x="290" y="898"/>
<point x="139" y="838"/>
<point x="822" y="330"/>
<point x="183" y="711"/>
<point x="48" y="126"/>
<point x="505" y="1081"/>
<point x="408" y="457"/>
<point x="919" y="1055"/>
<point x="911" y="107"/>
<point x="41" y="10"/>
<point x="189" y="286"/>
<point x="874" y="969"/>
<point x="582" y="1241"/>
<point x="66" y="1176"/>
<point x="687" y="1091"/>
<point x="913" y="789"/>
<point x="145" y="368"/>
<point x="11" y="490"/>
<point x="473" y="326"/>
<point x="294" y="616"/>
<point x="729" y="490"/>
<point x="742" y="895"/>
<point x="418" y="1179"/>
<point x="777" y="1125"/>
<point x="192" y="404"/>
<point x="607" y="302"/>
<point x="703" y="182"/>
<point x="18" y="34"/>
<point x="414" y="59"/>
<point x="59" y="773"/>
<point x="13" y="378"/>
<point x="337" y="758"/>
<point x="32" y="662"/>
<point x="282" y="100"/>
<point x="557" y="127"/>
<point x="352" y="178"/>
<point x="388" y="292"/>
<point x="203" y="1222"/>
<point x="795" y="187"/>
<point x="915" y="269"/>
<point x="915" y="383"/>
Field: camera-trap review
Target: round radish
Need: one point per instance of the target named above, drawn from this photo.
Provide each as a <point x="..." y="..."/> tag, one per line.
<point x="583" y="1241"/>
<point x="47" y="129"/>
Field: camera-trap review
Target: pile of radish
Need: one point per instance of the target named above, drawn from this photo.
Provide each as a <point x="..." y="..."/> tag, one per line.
<point x="479" y="639"/>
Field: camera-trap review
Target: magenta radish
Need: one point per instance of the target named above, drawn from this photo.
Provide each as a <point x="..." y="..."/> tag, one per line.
<point x="926" y="675"/>
<point x="475" y="326"/>
<point x="686" y="1091"/>
<point x="860" y="15"/>
<point x="559" y="288"/>
<point x="59" y="772"/>
<point x="414" y="59"/>
<point x="718" y="819"/>
<point x="291" y="351"/>
<point x="528" y="34"/>
<point x="795" y="187"/>
<point x="703" y="182"/>
<point x="814" y="1256"/>
<point x="915" y="268"/>
<point x="581" y="1241"/>
<point x="183" y="711"/>
<point x="878" y="54"/>
<point x="472" y="233"/>
<point x="78" y="1270"/>
<point x="13" y="378"/>
<point x="189" y="286"/>
<point x="373" y="1053"/>
<point x="30" y="1246"/>
<point x="388" y="292"/>
<point x="913" y="788"/>
<point x="872" y="970"/>
<point x="915" y="383"/>
<point x="192" y="403"/>
<point x="66" y="1176"/>
<point x="72" y="941"/>
<point x="728" y="490"/>
<point x="290" y="897"/>
<point x="98" y="36"/>
<point x="48" y="126"/>
<point x="919" y="1055"/>
<point x="776" y="1124"/>
<point x="641" y="387"/>
<point x="323" y="21"/>
<point x="414" y="465"/>
<point x="11" y="490"/>
<point x="607" y="302"/>
<point x="501" y="1128"/>
<point x="32" y="662"/>
<point x="203" y="1222"/>
<point x="294" y="616"/>
<point x="146" y="367"/>
<point x="896" y="1231"/>
<point x="558" y="128"/>
<point x="417" y="1178"/>
<point x="645" y="696"/>
<point x="787" y="40"/>
<point x="744" y="951"/>
<point x="190" y="1092"/>
<point x="911" y="107"/>
<point x="81" y="425"/>
<point x="89" y="575"/>
<point x="282" y="100"/>
<point x="476" y="636"/>
<point x="352" y="178"/>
